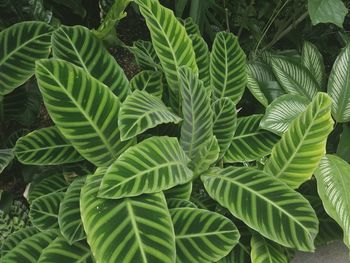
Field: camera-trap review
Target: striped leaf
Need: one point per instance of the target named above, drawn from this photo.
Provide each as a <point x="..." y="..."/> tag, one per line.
<point x="84" y="110"/>
<point x="69" y="219"/>
<point x="266" y="251"/>
<point x="179" y="203"/>
<point x="249" y="143"/>
<point x="59" y="250"/>
<point x="6" y="156"/>
<point x="225" y="123"/>
<point x="142" y="111"/>
<point x="79" y="46"/>
<point x="170" y="41"/>
<point x="263" y="202"/>
<point x="190" y="26"/>
<point x="241" y="252"/>
<point x="15" y="238"/>
<point x="197" y="125"/>
<point x="304" y="140"/>
<point x="281" y="112"/>
<point x="145" y="55"/>
<point x="201" y="235"/>
<point x="182" y="191"/>
<point x="44" y="211"/>
<point x="149" y="81"/>
<point x="295" y="78"/>
<point x="135" y="229"/>
<point x="227" y="67"/>
<point x="338" y="86"/>
<point x="29" y="249"/>
<point x="21" y="45"/>
<point x="155" y="164"/>
<point x="46" y="146"/>
<point x="312" y="59"/>
<point x="333" y="179"/>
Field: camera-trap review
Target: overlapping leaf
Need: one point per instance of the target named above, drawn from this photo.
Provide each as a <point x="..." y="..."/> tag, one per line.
<point x="149" y="81"/>
<point x="145" y="55"/>
<point x="15" y="238"/>
<point x="190" y="26"/>
<point x="179" y="203"/>
<point x="241" y="252"/>
<point x="182" y="191"/>
<point x="264" y="250"/>
<point x="6" y="156"/>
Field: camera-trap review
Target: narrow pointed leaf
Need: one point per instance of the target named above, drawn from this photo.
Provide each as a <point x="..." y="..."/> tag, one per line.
<point x="15" y="238"/>
<point x="6" y="156"/>
<point x="263" y="202"/>
<point x="296" y="156"/>
<point x="84" y="110"/>
<point x="190" y="26"/>
<point x="201" y="235"/>
<point x="266" y="251"/>
<point x="21" y="45"/>
<point x="155" y="164"/>
<point x="149" y="81"/>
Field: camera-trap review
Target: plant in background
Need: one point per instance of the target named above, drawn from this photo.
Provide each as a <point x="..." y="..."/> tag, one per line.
<point x="161" y="168"/>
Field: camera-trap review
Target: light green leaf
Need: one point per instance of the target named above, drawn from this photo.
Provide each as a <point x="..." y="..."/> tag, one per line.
<point x="45" y="146"/>
<point x="263" y="202"/>
<point x="155" y="164"/>
<point x="296" y="156"/>
<point x="20" y="46"/>
<point x="295" y="78"/>
<point x="69" y="219"/>
<point x="281" y="112"/>
<point x="227" y="67"/>
<point x="190" y="26"/>
<point x="84" y="110"/>
<point x="142" y="111"/>
<point x="127" y="230"/>
<point x="44" y="211"/>
<point x="339" y="86"/>
<point x="266" y="251"/>
<point x="149" y="81"/>
<point x="77" y="44"/>
<point x="182" y="191"/>
<point x="201" y="235"/>
<point x="145" y="55"/>
<point x="16" y="237"/>
<point x="179" y="203"/>
<point x="327" y="11"/>
<point x="249" y="143"/>
<point x="333" y="179"/>
<point x="6" y="156"/>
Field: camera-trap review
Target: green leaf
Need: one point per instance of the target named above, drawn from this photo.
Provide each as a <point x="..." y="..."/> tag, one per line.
<point x="249" y="143"/>
<point x="142" y="111"/>
<point x="170" y="41"/>
<point x="263" y="202"/>
<point x="343" y="149"/>
<point x="264" y="250"/>
<point x="29" y="249"/>
<point x="197" y="125"/>
<point x="16" y="237"/>
<point x="127" y="230"/>
<point x="77" y="44"/>
<point x="295" y="78"/>
<point x="225" y="123"/>
<point x="338" y="86"/>
<point x="296" y="156"/>
<point x="45" y="146"/>
<point x="81" y="108"/>
<point x="145" y="55"/>
<point x="241" y="252"/>
<point x="44" y="211"/>
<point x="281" y="112"/>
<point x="6" y="157"/>
<point x="190" y="26"/>
<point x="21" y="45"/>
<point x="201" y="235"/>
<point x="333" y="179"/>
<point x="155" y="164"/>
<point x="312" y="59"/>
<point x="149" y="81"/>
<point x="327" y="11"/>
<point x="179" y="203"/>
<point x="227" y="67"/>
<point x="59" y="250"/>
<point x="182" y="191"/>
<point x="69" y="219"/>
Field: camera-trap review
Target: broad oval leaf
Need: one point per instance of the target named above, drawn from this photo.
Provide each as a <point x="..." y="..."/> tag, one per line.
<point x="249" y="143"/>
<point x="21" y="45"/>
<point x="339" y="87"/>
<point x="182" y="191"/>
<point x="179" y="203"/>
<point x="84" y="110"/>
<point x="59" y="250"/>
<point x="142" y="111"/>
<point x="6" y="157"/>
<point x="78" y="45"/>
<point x="69" y="219"/>
<point x="145" y="55"/>
<point x="333" y="179"/>
<point x="201" y="235"/>
<point x="124" y="230"/>
<point x="149" y="81"/>
<point x="241" y="252"/>
<point x="190" y="26"/>
<point x="46" y="146"/>
<point x="327" y="11"/>
<point x="305" y="139"/>
<point x="155" y="164"/>
<point x="266" y="251"/>
<point x="227" y="67"/>
<point x="16" y="237"/>
<point x="281" y="112"/>
<point x="295" y="78"/>
<point x="343" y="149"/>
<point x="265" y="204"/>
